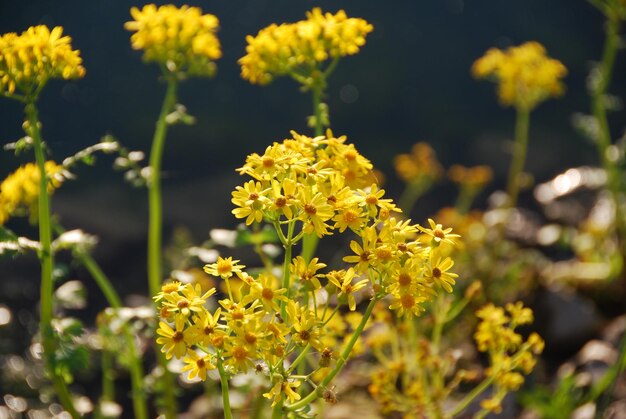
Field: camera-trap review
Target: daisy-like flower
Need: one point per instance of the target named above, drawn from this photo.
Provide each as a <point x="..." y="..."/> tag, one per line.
<point x="174" y="341"/>
<point x="343" y="281"/>
<point x="364" y="255"/>
<point x="283" y="197"/>
<point x="251" y="201"/>
<point x="205" y="326"/>
<point x="350" y="217"/>
<point x="315" y="212"/>
<point x="372" y="200"/>
<point x="436" y="271"/>
<point x="438" y="234"/>
<point x="188" y="300"/>
<point x="224" y="268"/>
<point x="197" y="365"/>
<point x="264" y="289"/>
<point x="306" y="328"/>
<point x="282" y="389"/>
<point x="307" y="272"/>
<point x="407" y="304"/>
<point x="238" y="355"/>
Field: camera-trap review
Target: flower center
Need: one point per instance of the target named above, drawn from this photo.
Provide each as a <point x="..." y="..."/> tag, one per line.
<point x="310" y="209"/>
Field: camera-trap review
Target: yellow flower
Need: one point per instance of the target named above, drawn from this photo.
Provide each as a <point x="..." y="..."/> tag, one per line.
<point x="421" y="165"/>
<point x="205" y="326"/>
<point x="298" y="48"/>
<point x="224" y="268"/>
<point x="315" y="212"/>
<point x="197" y="365"/>
<point x="252" y="201"/>
<point x="180" y="39"/>
<point x="19" y="192"/>
<point x="29" y="60"/>
<point x="284" y="388"/>
<point x="187" y="300"/>
<point x="307" y="272"/>
<point x="174" y="341"/>
<point x="436" y="271"/>
<point x="264" y="289"/>
<point x="526" y="76"/>
<point x="343" y="281"/>
<point x="438" y="234"/>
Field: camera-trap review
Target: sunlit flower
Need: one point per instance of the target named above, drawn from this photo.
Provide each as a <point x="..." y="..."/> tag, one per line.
<point x="224" y="267"/>
<point x="19" y="192"/>
<point x="29" y="60"/>
<point x="197" y="365"/>
<point x="180" y="39"/>
<point x="525" y="75"/>
<point x="174" y="341"/>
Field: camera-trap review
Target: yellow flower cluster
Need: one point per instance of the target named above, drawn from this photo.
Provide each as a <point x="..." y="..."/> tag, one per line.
<point x="301" y="186"/>
<point x="509" y="355"/>
<point x="421" y="165"/>
<point x="525" y="75"/>
<point x="182" y="40"/>
<point x="29" y="60"/>
<point x="20" y="190"/>
<point x="297" y="49"/>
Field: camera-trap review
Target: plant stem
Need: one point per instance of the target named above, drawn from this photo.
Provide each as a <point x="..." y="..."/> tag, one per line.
<point x="340" y="362"/>
<point x="155" y="276"/>
<point x="522" y="121"/>
<point x="225" y="396"/>
<point x="476" y="391"/>
<point x="47" y="262"/>
<point x="310" y="241"/>
<point x="135" y="367"/>
<point x="412" y="192"/>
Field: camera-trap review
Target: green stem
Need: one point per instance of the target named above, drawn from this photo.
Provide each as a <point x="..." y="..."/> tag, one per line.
<point x="47" y="262"/>
<point x="312" y="396"/>
<point x="522" y="121"/>
<point x="410" y="195"/>
<point x="135" y="367"/>
<point x="299" y="359"/>
<point x="286" y="271"/>
<point x="469" y="398"/>
<point x="155" y="276"/>
<point x="277" y="410"/>
<point x="108" y="376"/>
<point x="224" y="382"/>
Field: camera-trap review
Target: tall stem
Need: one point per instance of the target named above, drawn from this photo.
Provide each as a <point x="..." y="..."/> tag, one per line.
<point x="345" y="354"/>
<point x="155" y="275"/>
<point x="310" y="240"/>
<point x="135" y="367"/>
<point x="47" y="262"/>
<point x="225" y="396"/>
<point x="522" y="122"/>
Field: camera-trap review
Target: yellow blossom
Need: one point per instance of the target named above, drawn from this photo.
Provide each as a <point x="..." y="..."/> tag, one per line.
<point x="19" y="192"/>
<point x="174" y="341"/>
<point x="29" y="60"/>
<point x="180" y="39"/>
<point x="297" y="48"/>
<point x="224" y="267"/>
<point x="343" y="281"/>
<point x="197" y="365"/>
<point x="525" y="75"/>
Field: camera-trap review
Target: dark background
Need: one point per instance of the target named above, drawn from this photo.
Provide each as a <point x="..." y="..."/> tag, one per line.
<point x="413" y="83"/>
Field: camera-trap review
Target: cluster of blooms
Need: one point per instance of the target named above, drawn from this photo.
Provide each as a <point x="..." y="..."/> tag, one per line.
<point x="183" y="40"/>
<point x="20" y="190"/>
<point x="419" y="165"/>
<point x="29" y="60"/>
<point x="525" y="75"/>
<point x="509" y="354"/>
<point x="303" y="186"/>
<point x="297" y="49"/>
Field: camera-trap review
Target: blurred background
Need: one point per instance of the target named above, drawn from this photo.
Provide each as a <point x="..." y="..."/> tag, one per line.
<point x="411" y="82"/>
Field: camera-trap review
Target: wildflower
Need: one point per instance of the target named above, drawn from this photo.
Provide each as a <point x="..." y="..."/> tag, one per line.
<point x="174" y="341"/>
<point x="437" y="271"/>
<point x="438" y="234"/>
<point x="526" y="76"/>
<point x="197" y="365"/>
<point x="224" y="268"/>
<point x="471" y="177"/>
<point x="238" y="355"/>
<point x="291" y="49"/>
<point x="205" y="326"/>
<point x="264" y="290"/>
<point x="306" y="328"/>
<point x="251" y="201"/>
<point x="421" y="165"/>
<point x="343" y="281"/>
<point x="407" y="304"/>
<point x="189" y="299"/>
<point x="307" y="272"/>
<point x="19" y="192"/>
<point x="315" y="212"/>
<point x="288" y="388"/>
<point x="364" y="255"/>
<point x="180" y="39"/>
<point x="352" y="217"/>
<point x="29" y="60"/>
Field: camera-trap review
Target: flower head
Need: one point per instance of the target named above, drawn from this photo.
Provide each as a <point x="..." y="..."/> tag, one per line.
<point x="525" y="75"/>
<point x="296" y="48"/>
<point x="29" y="60"/>
<point x="19" y="192"/>
<point x="181" y="39"/>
